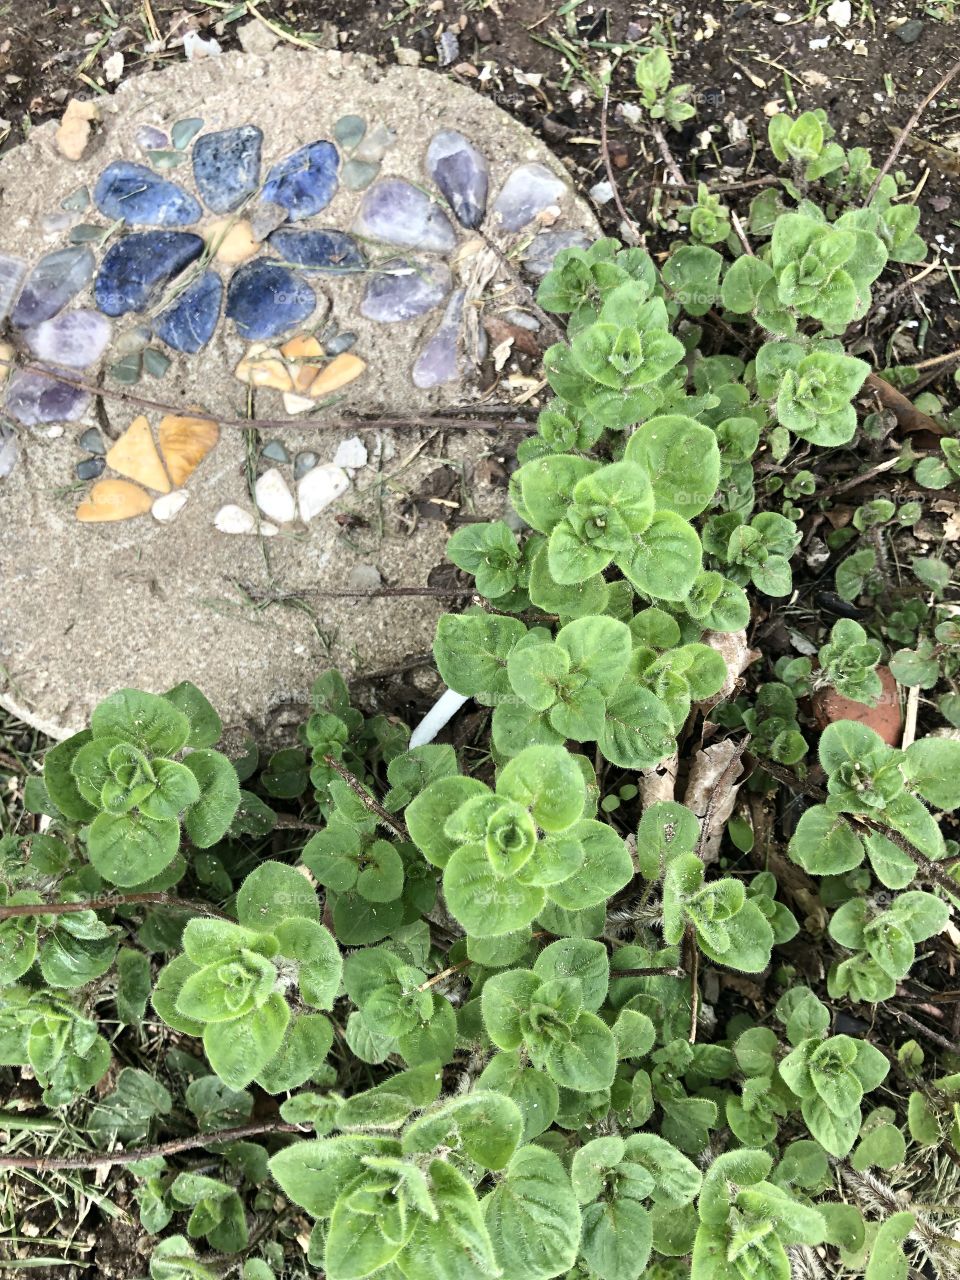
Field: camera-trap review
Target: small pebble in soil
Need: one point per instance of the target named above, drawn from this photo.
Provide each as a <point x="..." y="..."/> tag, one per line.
<point x="528" y="190"/>
<point x="189" y="324"/>
<point x="75" y="339"/>
<point x="90" y="468"/>
<point x="266" y="217"/>
<point x="375" y="145"/>
<point x="328" y="251"/>
<point x="265" y="299"/>
<point x="226" y="166"/>
<point x="910" y="32"/>
<point x="304" y="182"/>
<point x="461" y="173"/>
<point x="351" y="453"/>
<point x="405" y="288"/>
<point x="57" y="277"/>
<point x="141" y="197"/>
<point x="135" y="267"/>
<point x="92" y="441"/>
<point x="305" y="461"/>
<point x="169" y="506"/>
<point x="339" y="343"/>
<point x="275" y="451"/>
<point x="234" y="519"/>
<point x="397" y="212"/>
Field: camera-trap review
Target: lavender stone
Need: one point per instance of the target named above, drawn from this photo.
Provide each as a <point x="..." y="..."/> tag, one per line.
<point x="34" y="399"/>
<point x="135" y="267"/>
<point x="226" y="166"/>
<point x="56" y="278"/>
<point x="461" y="173"/>
<point x="528" y="190"/>
<point x="405" y="288"/>
<point x="12" y="271"/>
<point x="305" y="182"/>
<point x="331" y="251"/>
<point x="538" y="256"/>
<point x="438" y="362"/>
<point x="75" y="339"/>
<point x="150" y="138"/>
<point x="188" y="325"/>
<point x="397" y="212"/>
<point x="139" y="196"/>
<point x="265" y="299"/>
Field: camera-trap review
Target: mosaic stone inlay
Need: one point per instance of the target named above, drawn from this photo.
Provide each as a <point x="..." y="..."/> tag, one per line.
<point x="160" y="256"/>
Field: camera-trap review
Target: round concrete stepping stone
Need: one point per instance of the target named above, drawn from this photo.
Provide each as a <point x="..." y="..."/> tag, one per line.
<point x="132" y="577"/>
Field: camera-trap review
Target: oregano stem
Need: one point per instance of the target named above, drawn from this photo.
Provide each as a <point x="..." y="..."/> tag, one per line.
<point x="108" y="902"/>
<point x="97" y="1161"/>
<point x="355" y="785"/>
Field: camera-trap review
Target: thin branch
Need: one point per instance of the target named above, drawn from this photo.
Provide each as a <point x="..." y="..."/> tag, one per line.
<point x="99" y="1160"/>
<point x="690" y="938"/>
<point x="908" y="129"/>
<point x="608" y="165"/>
<point x="657" y="971"/>
<point x="741" y="234"/>
<point x="448" y="422"/>
<point x="107" y="903"/>
<point x="667" y="155"/>
<point x="387" y="819"/>
<point x="720" y="793"/>
<point x="938" y="1039"/>
<point x="445" y="973"/>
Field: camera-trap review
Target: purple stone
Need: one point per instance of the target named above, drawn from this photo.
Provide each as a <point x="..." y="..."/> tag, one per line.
<point x="538" y="256"/>
<point x="75" y="339"/>
<point x="150" y="138"/>
<point x="12" y="271"/>
<point x="438" y="362"/>
<point x="33" y="399"/>
<point x="139" y="196"/>
<point x="397" y="212"/>
<point x="56" y="278"/>
<point x="461" y="173"/>
<point x="528" y="190"/>
<point x="404" y="288"/>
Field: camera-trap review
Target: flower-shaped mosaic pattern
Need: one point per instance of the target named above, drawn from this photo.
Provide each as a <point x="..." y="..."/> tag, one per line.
<point x="165" y="274"/>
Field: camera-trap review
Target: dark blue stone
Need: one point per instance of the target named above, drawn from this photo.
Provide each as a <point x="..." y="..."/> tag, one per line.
<point x="136" y="266"/>
<point x="265" y="299"/>
<point x="189" y="324"/>
<point x="140" y="196"/>
<point x="57" y="277"/>
<point x="305" y="182"/>
<point x="226" y="166"/>
<point x="332" y="251"/>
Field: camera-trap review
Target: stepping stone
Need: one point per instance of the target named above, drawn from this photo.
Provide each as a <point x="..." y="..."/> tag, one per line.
<point x="226" y="166"/>
<point x="305" y="182"/>
<point x="137" y="266"/>
<point x="264" y="300"/>
<point x="141" y="198"/>
<point x="57" y="277"/>
<point x="189" y="324"/>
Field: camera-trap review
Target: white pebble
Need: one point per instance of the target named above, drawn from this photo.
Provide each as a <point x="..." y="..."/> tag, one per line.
<point x="319" y="487"/>
<point x="351" y="453"/>
<point x="169" y="506"/>
<point x="234" y="519"/>
<point x="274" y="497"/>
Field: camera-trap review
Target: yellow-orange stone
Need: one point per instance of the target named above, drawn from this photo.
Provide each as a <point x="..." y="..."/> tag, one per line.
<point x="268" y="371"/>
<point x="231" y="241"/>
<point x="7" y="355"/>
<point x="184" y="443"/>
<point x="337" y="374"/>
<point x="135" y="456"/>
<point x="304" y="346"/>
<point x="113" y="500"/>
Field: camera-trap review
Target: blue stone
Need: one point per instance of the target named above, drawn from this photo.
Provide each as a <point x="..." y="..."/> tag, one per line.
<point x="339" y="343"/>
<point x="57" y="277"/>
<point x="188" y="325"/>
<point x="90" y="468"/>
<point x="140" y="196"/>
<point x="136" y="266"/>
<point x="405" y="288"/>
<point x="275" y="451"/>
<point x="305" y="182"/>
<point x="461" y="173"/>
<point x="92" y="441"/>
<point x="397" y="212"/>
<point x="331" y="251"/>
<point x="226" y="166"/>
<point x="266" y="299"/>
<point x="33" y="398"/>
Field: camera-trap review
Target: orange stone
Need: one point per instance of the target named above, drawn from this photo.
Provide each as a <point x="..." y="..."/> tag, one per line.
<point x="135" y="456"/>
<point x="268" y="371"/>
<point x="231" y="241"/>
<point x="185" y="442"/>
<point x="304" y="346"/>
<point x="337" y="374"/>
<point x="113" y="500"/>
